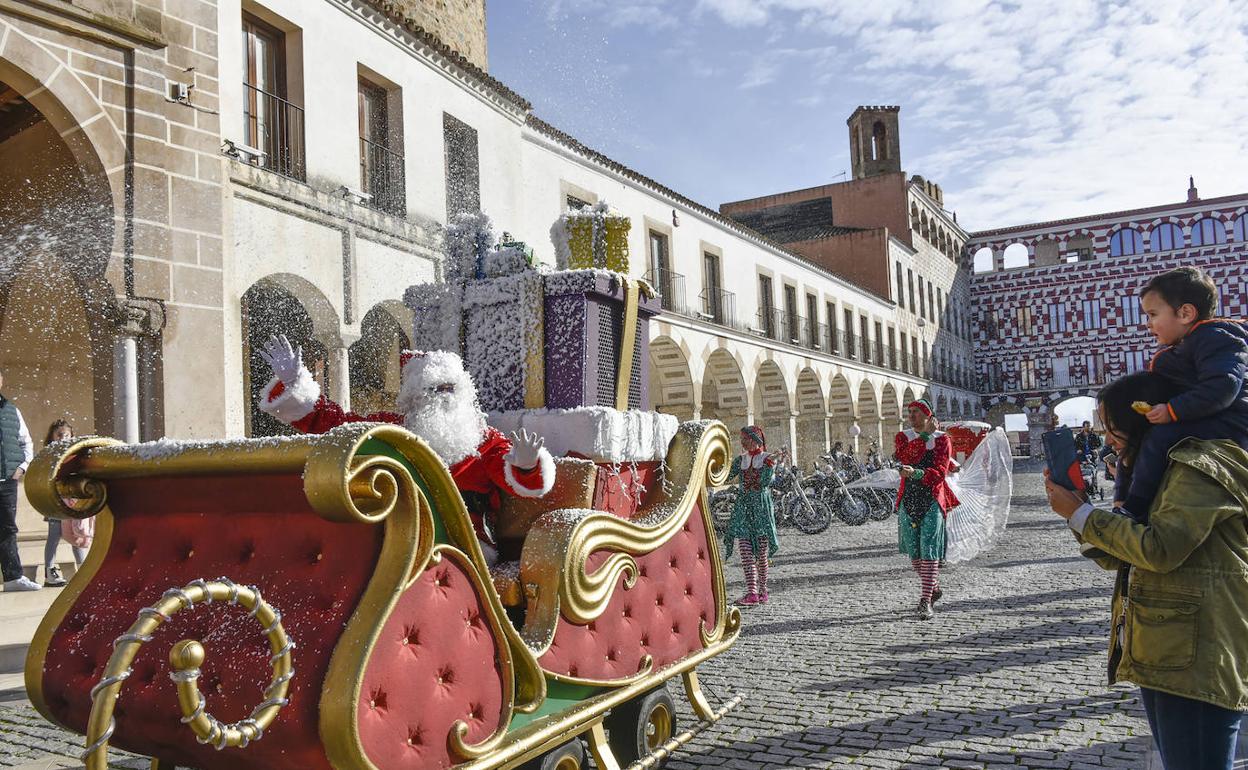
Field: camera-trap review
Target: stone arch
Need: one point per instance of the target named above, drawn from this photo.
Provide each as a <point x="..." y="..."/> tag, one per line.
<point x="772" y="406"/>
<point x="1048" y="251"/>
<point x="724" y="395"/>
<point x="890" y="410"/>
<point x="868" y="415"/>
<point x="59" y="315"/>
<point x="811" y="416"/>
<point x="373" y="359"/>
<point x="290" y="305"/>
<point x="1015" y="256"/>
<point x="671" y="383"/>
<point x="907" y="397"/>
<point x="983" y="260"/>
<point x="841" y="409"/>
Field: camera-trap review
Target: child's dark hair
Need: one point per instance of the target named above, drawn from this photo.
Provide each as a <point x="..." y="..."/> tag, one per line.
<point x="1186" y="286"/>
<point x="54" y="427"/>
<point x="1116" y="399"/>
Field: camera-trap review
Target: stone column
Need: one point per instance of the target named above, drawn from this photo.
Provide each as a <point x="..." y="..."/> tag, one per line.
<point x="126" y="382"/>
<point x="827" y="433"/>
<point x="339" y="370"/>
<point x="793" y="437"/>
<point x="1037" y="424"/>
<point x="136" y="350"/>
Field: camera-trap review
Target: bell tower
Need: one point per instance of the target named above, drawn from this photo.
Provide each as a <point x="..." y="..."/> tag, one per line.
<point x="874" y="141"/>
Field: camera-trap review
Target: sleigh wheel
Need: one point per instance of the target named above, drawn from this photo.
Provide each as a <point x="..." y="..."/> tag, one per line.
<point x="642" y="725"/>
<point x="569" y="756"/>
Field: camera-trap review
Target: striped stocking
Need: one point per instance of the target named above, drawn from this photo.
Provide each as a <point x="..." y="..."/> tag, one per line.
<point x="929" y="576"/>
<point x="750" y="566"/>
<point x="762" y="570"/>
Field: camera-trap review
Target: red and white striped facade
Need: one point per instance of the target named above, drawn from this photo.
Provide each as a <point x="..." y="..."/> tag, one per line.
<point x="1055" y="329"/>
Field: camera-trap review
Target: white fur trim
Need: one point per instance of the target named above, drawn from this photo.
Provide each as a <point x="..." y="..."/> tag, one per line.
<point x="754" y="461"/>
<point x="489" y="552"/>
<point x="911" y="434"/>
<point x="547" y="465"/>
<point x="295" y="402"/>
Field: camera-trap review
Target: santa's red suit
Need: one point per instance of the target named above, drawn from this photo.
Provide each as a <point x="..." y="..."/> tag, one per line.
<point x="487" y="472"/>
<point x="912" y="448"/>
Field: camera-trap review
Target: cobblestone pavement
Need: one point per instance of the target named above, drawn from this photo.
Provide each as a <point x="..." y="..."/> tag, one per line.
<point x="1011" y="673"/>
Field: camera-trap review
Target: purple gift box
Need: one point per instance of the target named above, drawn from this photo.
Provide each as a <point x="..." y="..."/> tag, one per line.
<point x="584" y="316"/>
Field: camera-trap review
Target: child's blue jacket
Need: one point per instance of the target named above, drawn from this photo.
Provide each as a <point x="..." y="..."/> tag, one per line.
<point x="1211" y="366"/>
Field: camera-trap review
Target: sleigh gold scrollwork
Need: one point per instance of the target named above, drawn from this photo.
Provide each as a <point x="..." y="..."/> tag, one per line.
<point x="186" y="657"/>
<point x="555" y="566"/>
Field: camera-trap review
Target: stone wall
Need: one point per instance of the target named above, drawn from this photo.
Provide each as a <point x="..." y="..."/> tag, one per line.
<point x="458" y="23"/>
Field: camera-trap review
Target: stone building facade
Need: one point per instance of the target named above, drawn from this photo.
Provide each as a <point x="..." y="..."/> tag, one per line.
<point x="1056" y="305"/>
<point x="458" y="23"/>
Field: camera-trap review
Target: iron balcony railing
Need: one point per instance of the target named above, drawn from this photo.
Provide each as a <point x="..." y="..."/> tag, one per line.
<point x="776" y="324"/>
<point x="671" y="289"/>
<point x="381" y="176"/>
<point x="275" y="126"/>
<point x="719" y="306"/>
<point x="832" y="341"/>
<point x="849" y="345"/>
<point x="817" y="337"/>
<point x="800" y="331"/>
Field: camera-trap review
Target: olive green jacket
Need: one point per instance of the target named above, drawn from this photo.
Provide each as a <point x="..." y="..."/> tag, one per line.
<point x="1181" y="625"/>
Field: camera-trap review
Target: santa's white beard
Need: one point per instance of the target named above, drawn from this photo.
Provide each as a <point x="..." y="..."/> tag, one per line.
<point x="450" y="424"/>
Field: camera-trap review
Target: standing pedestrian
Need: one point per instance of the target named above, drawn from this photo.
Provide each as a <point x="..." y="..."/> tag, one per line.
<point x="1179" y="617"/>
<point x="1087" y="443"/>
<point x="753" y="523"/>
<point x="16" y="452"/>
<point x="77" y="532"/>
<point x="924" y="499"/>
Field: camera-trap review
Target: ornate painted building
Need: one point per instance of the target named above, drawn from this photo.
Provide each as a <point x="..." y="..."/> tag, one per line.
<point x="1056" y="305"/>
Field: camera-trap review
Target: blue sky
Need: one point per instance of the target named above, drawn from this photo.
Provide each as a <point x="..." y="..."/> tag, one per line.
<point x="1022" y="111"/>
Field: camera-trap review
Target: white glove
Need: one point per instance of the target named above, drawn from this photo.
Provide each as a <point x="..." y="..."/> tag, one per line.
<point x="282" y="359"/>
<point x="526" y="449"/>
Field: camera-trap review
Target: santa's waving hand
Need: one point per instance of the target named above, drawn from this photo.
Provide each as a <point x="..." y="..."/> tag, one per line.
<point x="438" y="402"/>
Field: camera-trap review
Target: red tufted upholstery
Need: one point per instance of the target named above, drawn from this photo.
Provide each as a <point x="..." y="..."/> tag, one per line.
<point x="618" y="491"/>
<point x="255" y="530"/>
<point x="436" y="661"/>
<point x="659" y="616"/>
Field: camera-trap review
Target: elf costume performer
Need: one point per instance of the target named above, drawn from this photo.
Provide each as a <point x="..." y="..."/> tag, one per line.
<point x="753" y="523"/>
<point x="438" y="402"/>
<point x="924" y="499"/>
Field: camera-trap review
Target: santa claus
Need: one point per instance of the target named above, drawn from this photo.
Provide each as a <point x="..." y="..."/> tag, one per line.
<point x="438" y="402"/>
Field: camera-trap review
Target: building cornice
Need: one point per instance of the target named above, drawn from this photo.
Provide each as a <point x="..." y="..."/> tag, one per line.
<point x="1111" y="217"/>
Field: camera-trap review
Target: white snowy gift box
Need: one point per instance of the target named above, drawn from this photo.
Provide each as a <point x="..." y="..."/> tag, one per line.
<point x="495" y="325"/>
<point x="596" y="433"/>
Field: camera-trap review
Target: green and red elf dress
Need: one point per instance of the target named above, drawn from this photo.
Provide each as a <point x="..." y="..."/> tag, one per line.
<point x="923" y="504"/>
<point x="753" y="517"/>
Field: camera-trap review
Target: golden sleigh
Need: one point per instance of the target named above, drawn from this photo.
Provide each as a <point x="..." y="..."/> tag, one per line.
<point x="322" y="602"/>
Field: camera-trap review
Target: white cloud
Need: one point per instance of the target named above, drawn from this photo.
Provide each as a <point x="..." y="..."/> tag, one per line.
<point x="1042" y="110"/>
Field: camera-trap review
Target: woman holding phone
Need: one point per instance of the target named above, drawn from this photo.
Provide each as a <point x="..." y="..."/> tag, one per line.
<point x="1180" y="605"/>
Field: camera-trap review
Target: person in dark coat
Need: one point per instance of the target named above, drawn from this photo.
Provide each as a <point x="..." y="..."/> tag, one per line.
<point x="16" y="451"/>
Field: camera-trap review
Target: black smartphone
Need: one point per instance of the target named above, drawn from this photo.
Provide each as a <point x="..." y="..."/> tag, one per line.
<point x="1062" y="458"/>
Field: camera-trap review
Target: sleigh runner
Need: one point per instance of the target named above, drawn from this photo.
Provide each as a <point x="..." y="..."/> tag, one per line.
<point x="369" y="631"/>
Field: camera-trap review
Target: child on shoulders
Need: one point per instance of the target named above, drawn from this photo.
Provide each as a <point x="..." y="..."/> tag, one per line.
<point x="1207" y="358"/>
